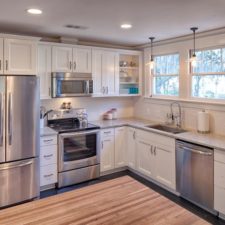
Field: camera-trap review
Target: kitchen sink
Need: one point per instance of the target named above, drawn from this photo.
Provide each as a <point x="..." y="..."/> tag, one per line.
<point x="173" y="130"/>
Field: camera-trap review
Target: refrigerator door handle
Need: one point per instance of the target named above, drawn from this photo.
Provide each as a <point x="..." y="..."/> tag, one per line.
<point x="1" y="118"/>
<point x="27" y="163"/>
<point x="10" y="118"/>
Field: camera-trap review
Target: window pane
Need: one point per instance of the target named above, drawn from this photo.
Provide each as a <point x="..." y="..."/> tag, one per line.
<point x="166" y="65"/>
<point x="211" y="86"/>
<point x="166" y="85"/>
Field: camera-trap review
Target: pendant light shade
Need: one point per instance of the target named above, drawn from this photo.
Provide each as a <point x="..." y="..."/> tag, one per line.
<point x="151" y="63"/>
<point x="193" y="58"/>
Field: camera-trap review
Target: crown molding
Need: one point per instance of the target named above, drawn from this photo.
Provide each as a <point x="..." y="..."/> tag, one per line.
<point x="188" y="37"/>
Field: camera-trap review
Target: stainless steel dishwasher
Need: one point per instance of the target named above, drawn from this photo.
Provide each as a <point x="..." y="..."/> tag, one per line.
<point x="195" y="174"/>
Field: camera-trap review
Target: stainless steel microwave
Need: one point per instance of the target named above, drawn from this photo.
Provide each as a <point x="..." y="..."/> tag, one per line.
<point x="71" y="84"/>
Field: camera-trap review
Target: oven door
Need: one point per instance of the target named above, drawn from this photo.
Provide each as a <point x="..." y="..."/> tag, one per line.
<point x="78" y="149"/>
<point x="69" y="87"/>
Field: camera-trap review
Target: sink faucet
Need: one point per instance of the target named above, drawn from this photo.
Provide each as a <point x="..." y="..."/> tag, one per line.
<point x="176" y="118"/>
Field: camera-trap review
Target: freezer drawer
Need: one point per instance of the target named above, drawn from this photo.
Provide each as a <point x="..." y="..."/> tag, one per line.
<point x="19" y="181"/>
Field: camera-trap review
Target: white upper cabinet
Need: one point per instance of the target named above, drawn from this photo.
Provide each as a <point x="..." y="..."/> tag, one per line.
<point x="20" y="57"/>
<point x="44" y="70"/>
<point x="131" y="147"/>
<point x="82" y="60"/>
<point x="105" y="70"/>
<point x="120" y="147"/>
<point x="1" y="56"/>
<point x="62" y="59"/>
<point x="68" y="59"/>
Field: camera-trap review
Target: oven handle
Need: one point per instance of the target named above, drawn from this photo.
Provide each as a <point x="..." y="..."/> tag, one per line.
<point x="75" y="134"/>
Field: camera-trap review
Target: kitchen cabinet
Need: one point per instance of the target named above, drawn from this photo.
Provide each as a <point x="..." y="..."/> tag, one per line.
<point x="107" y="153"/>
<point x="120" y="147"/>
<point x="20" y="57"/>
<point x="219" y="181"/>
<point x="1" y="56"/>
<point x="131" y="147"/>
<point x="44" y="70"/>
<point x="69" y="59"/>
<point x="156" y="157"/>
<point x="48" y="161"/>
<point x="145" y="161"/>
<point x="82" y="60"/>
<point x="105" y="71"/>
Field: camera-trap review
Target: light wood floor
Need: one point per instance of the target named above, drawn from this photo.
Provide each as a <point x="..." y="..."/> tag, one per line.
<point x="119" y="201"/>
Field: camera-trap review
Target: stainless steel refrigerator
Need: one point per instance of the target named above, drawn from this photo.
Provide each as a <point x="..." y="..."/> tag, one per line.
<point x="19" y="139"/>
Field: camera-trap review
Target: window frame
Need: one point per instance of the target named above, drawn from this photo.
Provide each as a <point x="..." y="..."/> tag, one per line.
<point x="191" y="75"/>
<point x="152" y="76"/>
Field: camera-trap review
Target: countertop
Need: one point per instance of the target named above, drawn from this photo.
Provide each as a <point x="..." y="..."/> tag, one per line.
<point x="47" y="131"/>
<point x="209" y="140"/>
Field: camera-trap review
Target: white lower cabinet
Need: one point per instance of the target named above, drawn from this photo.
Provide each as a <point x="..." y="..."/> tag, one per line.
<point x="120" y="147"/>
<point x="219" y="181"/>
<point x="144" y="157"/>
<point x="107" y="153"/>
<point x="131" y="147"/>
<point x="48" y="160"/>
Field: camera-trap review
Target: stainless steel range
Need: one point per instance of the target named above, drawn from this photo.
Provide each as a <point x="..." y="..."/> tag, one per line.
<point x="78" y="149"/>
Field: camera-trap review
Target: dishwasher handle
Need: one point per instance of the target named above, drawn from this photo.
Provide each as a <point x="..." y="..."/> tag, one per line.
<point x="207" y="153"/>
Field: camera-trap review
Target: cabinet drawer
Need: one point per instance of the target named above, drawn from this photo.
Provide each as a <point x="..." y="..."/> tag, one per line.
<point x="156" y="138"/>
<point x="219" y="199"/>
<point x="219" y="155"/>
<point x="48" y="174"/>
<point x="107" y="132"/>
<point x="48" y="155"/>
<point x="48" y="140"/>
<point x="219" y="174"/>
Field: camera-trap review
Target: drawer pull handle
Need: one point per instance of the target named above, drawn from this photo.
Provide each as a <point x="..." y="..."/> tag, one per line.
<point x="47" y="156"/>
<point x="48" y="175"/>
<point x="107" y="132"/>
<point x="48" y="140"/>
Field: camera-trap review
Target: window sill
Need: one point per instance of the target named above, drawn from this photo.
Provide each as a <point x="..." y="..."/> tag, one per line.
<point x="188" y="100"/>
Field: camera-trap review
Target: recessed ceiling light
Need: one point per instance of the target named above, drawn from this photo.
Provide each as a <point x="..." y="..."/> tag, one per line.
<point x="126" y="26"/>
<point x="34" y="11"/>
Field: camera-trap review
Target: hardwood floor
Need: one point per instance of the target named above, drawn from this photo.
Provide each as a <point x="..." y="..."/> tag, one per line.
<point x="118" y="201"/>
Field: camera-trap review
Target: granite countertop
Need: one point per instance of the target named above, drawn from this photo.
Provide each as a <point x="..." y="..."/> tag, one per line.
<point x="47" y="131"/>
<point x="209" y="140"/>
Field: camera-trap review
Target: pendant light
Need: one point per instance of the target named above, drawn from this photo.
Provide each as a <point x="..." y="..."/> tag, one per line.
<point x="151" y="63"/>
<point x="193" y="58"/>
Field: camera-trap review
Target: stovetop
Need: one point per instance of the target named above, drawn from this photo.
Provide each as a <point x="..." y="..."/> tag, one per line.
<point x="70" y="125"/>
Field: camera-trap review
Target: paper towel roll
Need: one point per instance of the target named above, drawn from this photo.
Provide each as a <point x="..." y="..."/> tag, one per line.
<point x="203" y="122"/>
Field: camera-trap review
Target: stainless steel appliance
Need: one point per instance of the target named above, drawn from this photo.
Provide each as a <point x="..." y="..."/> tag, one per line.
<point x="195" y="174"/>
<point x="19" y="139"/>
<point x="78" y="150"/>
<point x="71" y="84"/>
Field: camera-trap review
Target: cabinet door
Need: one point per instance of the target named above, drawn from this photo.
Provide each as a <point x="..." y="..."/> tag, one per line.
<point x="1" y="56"/>
<point x="62" y="59"/>
<point x="44" y="70"/>
<point x="20" y="57"/>
<point x="165" y="166"/>
<point x="145" y="161"/>
<point x="110" y="77"/>
<point x="131" y="147"/>
<point x="120" y="147"/>
<point x="97" y="57"/>
<point x="107" y="154"/>
<point x="82" y="60"/>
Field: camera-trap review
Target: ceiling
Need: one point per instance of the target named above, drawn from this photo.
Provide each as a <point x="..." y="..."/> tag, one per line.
<point x="160" y="18"/>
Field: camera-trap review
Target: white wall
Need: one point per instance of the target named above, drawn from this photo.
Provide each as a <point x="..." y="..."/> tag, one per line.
<point x="156" y="110"/>
<point x="96" y="107"/>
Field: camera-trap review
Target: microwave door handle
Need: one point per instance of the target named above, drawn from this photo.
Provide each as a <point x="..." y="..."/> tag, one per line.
<point x="87" y="87"/>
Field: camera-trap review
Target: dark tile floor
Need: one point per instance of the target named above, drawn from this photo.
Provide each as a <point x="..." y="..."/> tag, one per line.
<point x="180" y="201"/>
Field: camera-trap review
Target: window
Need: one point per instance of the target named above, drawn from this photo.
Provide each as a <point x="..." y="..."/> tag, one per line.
<point x="208" y="75"/>
<point x="166" y="75"/>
